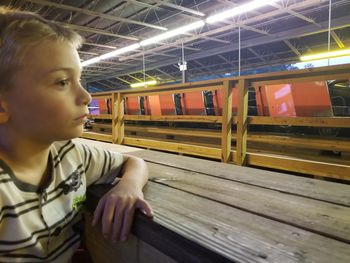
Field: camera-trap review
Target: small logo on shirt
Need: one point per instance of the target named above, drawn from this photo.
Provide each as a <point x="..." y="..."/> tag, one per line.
<point x="72" y="184"/>
<point x="78" y="202"/>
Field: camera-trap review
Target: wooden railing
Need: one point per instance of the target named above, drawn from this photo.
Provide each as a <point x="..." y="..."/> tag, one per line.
<point x="221" y="141"/>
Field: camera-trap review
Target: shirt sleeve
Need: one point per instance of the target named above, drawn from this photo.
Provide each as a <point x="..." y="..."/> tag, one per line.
<point x="101" y="166"/>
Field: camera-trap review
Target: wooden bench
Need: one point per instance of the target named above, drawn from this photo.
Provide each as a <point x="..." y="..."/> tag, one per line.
<point x="207" y="211"/>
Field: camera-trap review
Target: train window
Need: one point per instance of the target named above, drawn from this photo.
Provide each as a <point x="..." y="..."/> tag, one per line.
<point x="209" y="102"/>
<point x="339" y="91"/>
<point x="142" y="105"/>
<point x="252" y="106"/>
<point x="108" y="104"/>
<point x="177" y="102"/>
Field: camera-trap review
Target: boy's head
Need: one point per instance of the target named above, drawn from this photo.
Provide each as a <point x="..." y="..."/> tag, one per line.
<point x="19" y="32"/>
<point x="41" y="97"/>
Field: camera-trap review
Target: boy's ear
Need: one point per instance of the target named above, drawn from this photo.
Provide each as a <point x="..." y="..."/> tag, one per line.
<point x="4" y="111"/>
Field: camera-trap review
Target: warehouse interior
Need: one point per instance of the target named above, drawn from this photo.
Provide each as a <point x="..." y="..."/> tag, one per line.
<point x="201" y="111"/>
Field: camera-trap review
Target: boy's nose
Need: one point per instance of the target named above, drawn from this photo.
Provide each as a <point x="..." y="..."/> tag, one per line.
<point x="88" y="97"/>
<point x="84" y="96"/>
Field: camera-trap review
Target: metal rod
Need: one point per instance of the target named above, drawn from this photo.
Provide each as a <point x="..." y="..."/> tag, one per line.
<point x="144" y="67"/>
<point x="329" y="27"/>
<point x="183" y="62"/>
<point x="239" y="51"/>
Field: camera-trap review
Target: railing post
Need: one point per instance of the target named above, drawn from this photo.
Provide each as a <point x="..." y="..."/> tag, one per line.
<point x="119" y="128"/>
<point x="242" y="122"/>
<point x="114" y="117"/>
<point x="226" y="121"/>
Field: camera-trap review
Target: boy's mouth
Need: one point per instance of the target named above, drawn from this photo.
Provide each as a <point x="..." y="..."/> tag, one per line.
<point x="84" y="116"/>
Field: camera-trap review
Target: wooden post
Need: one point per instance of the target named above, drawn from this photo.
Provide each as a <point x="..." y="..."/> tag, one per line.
<point x="120" y="119"/>
<point x="226" y="121"/>
<point x="242" y="122"/>
<point x="114" y="117"/>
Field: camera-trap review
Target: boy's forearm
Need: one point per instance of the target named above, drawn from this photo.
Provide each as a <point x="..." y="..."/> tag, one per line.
<point x="134" y="171"/>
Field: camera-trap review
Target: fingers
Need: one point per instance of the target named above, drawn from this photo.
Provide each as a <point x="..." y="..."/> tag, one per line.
<point x="98" y="211"/>
<point x="117" y="215"/>
<point x="108" y="219"/>
<point x="117" y="223"/>
<point x="127" y="223"/>
<point x="145" y="207"/>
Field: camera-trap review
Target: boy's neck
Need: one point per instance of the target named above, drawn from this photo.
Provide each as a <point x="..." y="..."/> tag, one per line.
<point x="28" y="160"/>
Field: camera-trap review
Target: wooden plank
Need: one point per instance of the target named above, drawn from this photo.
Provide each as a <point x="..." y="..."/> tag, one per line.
<point x="316" y="216"/>
<point x="242" y="123"/>
<point x="100" y="116"/>
<point x="300" y="165"/>
<point x="179" y="118"/>
<point x="299" y="153"/>
<point x="102" y="94"/>
<point x="226" y="122"/>
<point x="233" y="234"/>
<point x="336" y="144"/>
<point x="187" y="85"/>
<point x="97" y="136"/>
<point x="174" y="131"/>
<point x="341" y="122"/>
<point x="204" y="151"/>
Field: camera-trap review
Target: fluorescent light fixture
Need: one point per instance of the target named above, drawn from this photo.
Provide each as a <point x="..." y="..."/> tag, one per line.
<point x="142" y="84"/>
<point x="90" y="61"/>
<point x="120" y="51"/>
<point x="238" y="10"/>
<point x="111" y="54"/>
<point x="331" y="54"/>
<point x="172" y="33"/>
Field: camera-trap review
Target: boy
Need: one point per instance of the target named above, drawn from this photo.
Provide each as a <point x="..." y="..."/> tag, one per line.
<point x="43" y="174"/>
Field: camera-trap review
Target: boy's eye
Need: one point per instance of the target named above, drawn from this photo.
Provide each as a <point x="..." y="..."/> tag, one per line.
<point x="63" y="82"/>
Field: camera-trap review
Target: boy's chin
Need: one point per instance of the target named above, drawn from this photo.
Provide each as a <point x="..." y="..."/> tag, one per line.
<point x="71" y="135"/>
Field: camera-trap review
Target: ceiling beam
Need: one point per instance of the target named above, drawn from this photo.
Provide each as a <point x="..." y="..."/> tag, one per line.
<point x="123" y="80"/>
<point x="292" y="47"/>
<point x="256" y="54"/>
<point x="95" y="14"/>
<point x="97" y="31"/>
<point x="181" y="8"/>
<point x="165" y="73"/>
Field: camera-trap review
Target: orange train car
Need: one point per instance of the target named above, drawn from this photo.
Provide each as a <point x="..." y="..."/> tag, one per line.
<point x="310" y="99"/>
<point x="100" y="106"/>
<point x="283" y="100"/>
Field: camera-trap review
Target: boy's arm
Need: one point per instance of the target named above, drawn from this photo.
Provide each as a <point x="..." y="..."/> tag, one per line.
<point x="116" y="208"/>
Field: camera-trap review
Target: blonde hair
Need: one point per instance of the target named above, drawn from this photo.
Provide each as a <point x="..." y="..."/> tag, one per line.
<point x="20" y="30"/>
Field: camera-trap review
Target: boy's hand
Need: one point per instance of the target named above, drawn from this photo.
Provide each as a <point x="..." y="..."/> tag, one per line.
<point x="116" y="210"/>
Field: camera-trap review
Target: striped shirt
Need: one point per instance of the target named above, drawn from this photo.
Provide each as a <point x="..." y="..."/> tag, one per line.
<point x="37" y="224"/>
